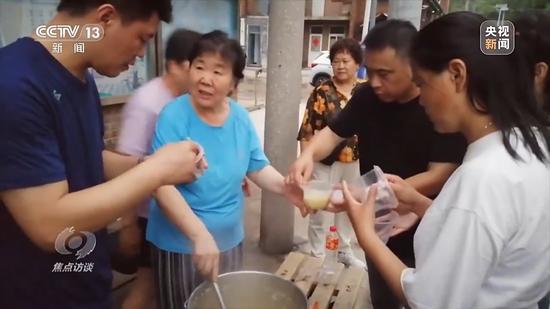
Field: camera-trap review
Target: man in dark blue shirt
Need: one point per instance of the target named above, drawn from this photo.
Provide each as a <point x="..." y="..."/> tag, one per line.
<point x="59" y="188"/>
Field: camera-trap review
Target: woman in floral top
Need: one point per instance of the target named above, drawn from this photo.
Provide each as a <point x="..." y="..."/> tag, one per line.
<point x="326" y="101"/>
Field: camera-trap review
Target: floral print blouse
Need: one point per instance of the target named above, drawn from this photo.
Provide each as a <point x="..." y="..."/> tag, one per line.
<point x="323" y="104"/>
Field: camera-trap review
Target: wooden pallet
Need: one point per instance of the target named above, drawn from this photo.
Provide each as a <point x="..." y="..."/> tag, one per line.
<point x="343" y="289"/>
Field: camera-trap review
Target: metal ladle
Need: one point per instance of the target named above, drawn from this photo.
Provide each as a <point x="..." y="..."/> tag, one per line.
<point x="219" y="293"/>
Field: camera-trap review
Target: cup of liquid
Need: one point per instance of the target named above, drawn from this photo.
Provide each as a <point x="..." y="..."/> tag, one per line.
<point x="317" y="194"/>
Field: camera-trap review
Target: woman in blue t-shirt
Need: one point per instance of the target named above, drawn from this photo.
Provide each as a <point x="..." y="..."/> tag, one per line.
<point x="189" y="233"/>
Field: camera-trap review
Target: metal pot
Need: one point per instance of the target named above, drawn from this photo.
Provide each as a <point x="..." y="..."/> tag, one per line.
<point x="248" y="290"/>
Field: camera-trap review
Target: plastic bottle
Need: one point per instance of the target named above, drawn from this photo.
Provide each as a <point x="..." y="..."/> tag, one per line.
<point x="328" y="269"/>
<point x="331" y="245"/>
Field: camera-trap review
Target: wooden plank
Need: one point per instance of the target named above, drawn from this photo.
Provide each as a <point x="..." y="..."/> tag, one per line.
<point x="348" y="287"/>
<point x="290" y="265"/>
<point x="307" y="274"/>
<point x="326" y="286"/>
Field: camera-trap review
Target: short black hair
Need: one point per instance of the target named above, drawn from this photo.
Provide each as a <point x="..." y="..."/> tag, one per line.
<point x="218" y="42"/>
<point x="129" y="10"/>
<point x="348" y="45"/>
<point x="394" y="33"/>
<point x="180" y="44"/>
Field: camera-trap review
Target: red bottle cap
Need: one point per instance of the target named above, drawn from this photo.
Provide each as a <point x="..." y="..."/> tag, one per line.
<point x="333" y="228"/>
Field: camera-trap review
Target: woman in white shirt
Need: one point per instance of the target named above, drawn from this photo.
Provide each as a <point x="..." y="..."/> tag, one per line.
<point x="484" y="242"/>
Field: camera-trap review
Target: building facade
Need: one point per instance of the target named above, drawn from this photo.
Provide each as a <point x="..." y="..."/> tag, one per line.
<point x="325" y="21"/>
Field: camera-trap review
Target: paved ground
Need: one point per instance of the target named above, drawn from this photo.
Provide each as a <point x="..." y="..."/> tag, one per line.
<point x="252" y="89"/>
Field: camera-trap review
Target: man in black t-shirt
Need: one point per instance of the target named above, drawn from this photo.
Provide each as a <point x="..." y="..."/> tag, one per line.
<point x="394" y="133"/>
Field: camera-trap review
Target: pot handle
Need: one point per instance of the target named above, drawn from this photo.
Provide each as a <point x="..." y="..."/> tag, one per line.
<point x="186" y="304"/>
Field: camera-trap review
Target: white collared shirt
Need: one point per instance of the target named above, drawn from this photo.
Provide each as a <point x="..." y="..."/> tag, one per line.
<point x="485" y="241"/>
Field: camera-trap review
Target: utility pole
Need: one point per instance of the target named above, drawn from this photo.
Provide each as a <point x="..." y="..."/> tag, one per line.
<point x="366" y="19"/>
<point x="284" y="89"/>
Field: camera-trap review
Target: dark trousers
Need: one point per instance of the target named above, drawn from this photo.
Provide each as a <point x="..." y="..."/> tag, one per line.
<point x="381" y="295"/>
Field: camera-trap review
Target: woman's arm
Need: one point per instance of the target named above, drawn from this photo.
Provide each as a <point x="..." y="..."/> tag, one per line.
<point x="455" y="263"/>
<point x="205" y="250"/>
<point x="362" y="219"/>
<point x="268" y="178"/>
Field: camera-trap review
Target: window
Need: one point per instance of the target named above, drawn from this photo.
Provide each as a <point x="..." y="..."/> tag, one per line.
<point x="315" y="42"/>
<point x="337" y="30"/>
<point x="334" y="37"/>
<point x="317" y="29"/>
<point x="253" y="29"/>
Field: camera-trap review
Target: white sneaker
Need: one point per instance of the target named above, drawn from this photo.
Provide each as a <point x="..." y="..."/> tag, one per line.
<point x="348" y="259"/>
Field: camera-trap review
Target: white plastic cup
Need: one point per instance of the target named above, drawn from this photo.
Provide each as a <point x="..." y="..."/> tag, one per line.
<point x="385" y="202"/>
<point x="317" y="194"/>
<point x="359" y="188"/>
